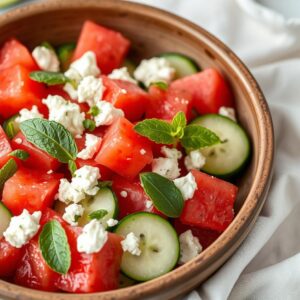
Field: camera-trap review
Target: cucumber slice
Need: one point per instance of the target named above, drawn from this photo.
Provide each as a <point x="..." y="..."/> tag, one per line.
<point x="183" y="64"/>
<point x="228" y="158"/>
<point x="5" y="216"/>
<point x="104" y="199"/>
<point x="65" y="53"/>
<point x="158" y="242"/>
<point x="11" y="127"/>
<point x="130" y="65"/>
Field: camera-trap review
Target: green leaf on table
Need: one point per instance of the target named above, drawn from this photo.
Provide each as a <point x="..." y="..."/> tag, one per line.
<point x="19" y="153"/>
<point x="196" y="137"/>
<point x="165" y="196"/>
<point x="156" y="130"/>
<point x="72" y="167"/>
<point x="54" y="246"/>
<point x="50" y="137"/>
<point x="49" y="78"/>
<point x="7" y="171"/>
<point x="98" y="214"/>
<point x="178" y="125"/>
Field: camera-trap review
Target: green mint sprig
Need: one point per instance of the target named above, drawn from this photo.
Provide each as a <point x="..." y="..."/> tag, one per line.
<point x="190" y="136"/>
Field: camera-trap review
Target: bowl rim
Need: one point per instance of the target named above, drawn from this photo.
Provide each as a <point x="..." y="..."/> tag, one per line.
<point x="249" y="211"/>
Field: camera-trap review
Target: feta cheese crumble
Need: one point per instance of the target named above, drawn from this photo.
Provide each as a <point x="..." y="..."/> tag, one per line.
<point x="49" y="172"/>
<point x="121" y="74"/>
<point x="108" y="113"/>
<point x="167" y="167"/>
<point x="86" y="65"/>
<point x="22" y="228"/>
<point x="112" y="222"/>
<point x="194" y="160"/>
<point x="92" y="238"/>
<point x="131" y="244"/>
<point x="46" y="59"/>
<point x="171" y="152"/>
<point x="187" y="185"/>
<point x="26" y="114"/>
<point x="228" y="112"/>
<point x="18" y="141"/>
<point x="84" y="182"/>
<point x="153" y="70"/>
<point x="92" y="144"/>
<point x="149" y="204"/>
<point x="124" y="194"/>
<point x="90" y="90"/>
<point x="66" y="113"/>
<point x="143" y="151"/>
<point x="189" y="247"/>
<point x="72" y="213"/>
<point x="71" y="88"/>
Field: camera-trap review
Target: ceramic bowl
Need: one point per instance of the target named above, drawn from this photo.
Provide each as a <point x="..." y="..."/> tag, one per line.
<point x="152" y="31"/>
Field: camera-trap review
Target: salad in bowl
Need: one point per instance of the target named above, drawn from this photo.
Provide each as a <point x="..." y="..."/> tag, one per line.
<point x="113" y="171"/>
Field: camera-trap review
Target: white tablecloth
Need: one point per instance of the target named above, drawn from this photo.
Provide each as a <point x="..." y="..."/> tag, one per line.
<point x="267" y="265"/>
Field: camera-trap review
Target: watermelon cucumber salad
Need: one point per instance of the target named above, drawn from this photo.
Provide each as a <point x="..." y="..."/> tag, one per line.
<point x="112" y="171"/>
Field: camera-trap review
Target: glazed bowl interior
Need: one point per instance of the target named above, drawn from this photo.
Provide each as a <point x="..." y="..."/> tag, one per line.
<point x="152" y="31"/>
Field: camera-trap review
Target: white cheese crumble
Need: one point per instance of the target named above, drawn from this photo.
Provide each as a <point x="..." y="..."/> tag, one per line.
<point x="108" y="113"/>
<point x="90" y="90"/>
<point x="92" y="238"/>
<point x="18" y="141"/>
<point x="22" y="228"/>
<point x="112" y="222"/>
<point x="71" y="88"/>
<point x="189" y="247"/>
<point x="26" y="114"/>
<point x="66" y="113"/>
<point x="121" y="74"/>
<point x="143" y="151"/>
<point x="167" y="167"/>
<point x="83" y="183"/>
<point x="46" y="59"/>
<point x="92" y="143"/>
<point x="187" y="185"/>
<point x="228" y="112"/>
<point x="149" y="204"/>
<point x="131" y="244"/>
<point x="194" y="160"/>
<point x="72" y="213"/>
<point x="49" y="172"/>
<point x="86" y="65"/>
<point x="171" y="152"/>
<point x="153" y="70"/>
<point x="124" y="194"/>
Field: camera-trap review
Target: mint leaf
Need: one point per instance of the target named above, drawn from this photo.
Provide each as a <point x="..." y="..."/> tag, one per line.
<point x="166" y="197"/>
<point x="196" y="137"/>
<point x="178" y="125"/>
<point x="89" y="124"/>
<point x="7" y="171"/>
<point x="156" y="130"/>
<point x="51" y="137"/>
<point x="94" y="111"/>
<point x="49" y="78"/>
<point x="55" y="248"/>
<point x="72" y="167"/>
<point x="65" y="53"/>
<point x="160" y="84"/>
<point x="98" y="214"/>
<point x="21" y="154"/>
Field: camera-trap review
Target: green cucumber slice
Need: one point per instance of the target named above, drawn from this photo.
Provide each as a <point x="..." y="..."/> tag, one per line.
<point x="183" y="64"/>
<point x="11" y="127"/>
<point x="228" y="158"/>
<point x="5" y="216"/>
<point x="158" y="242"/>
<point x="130" y="65"/>
<point x="104" y="199"/>
<point x="65" y="53"/>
